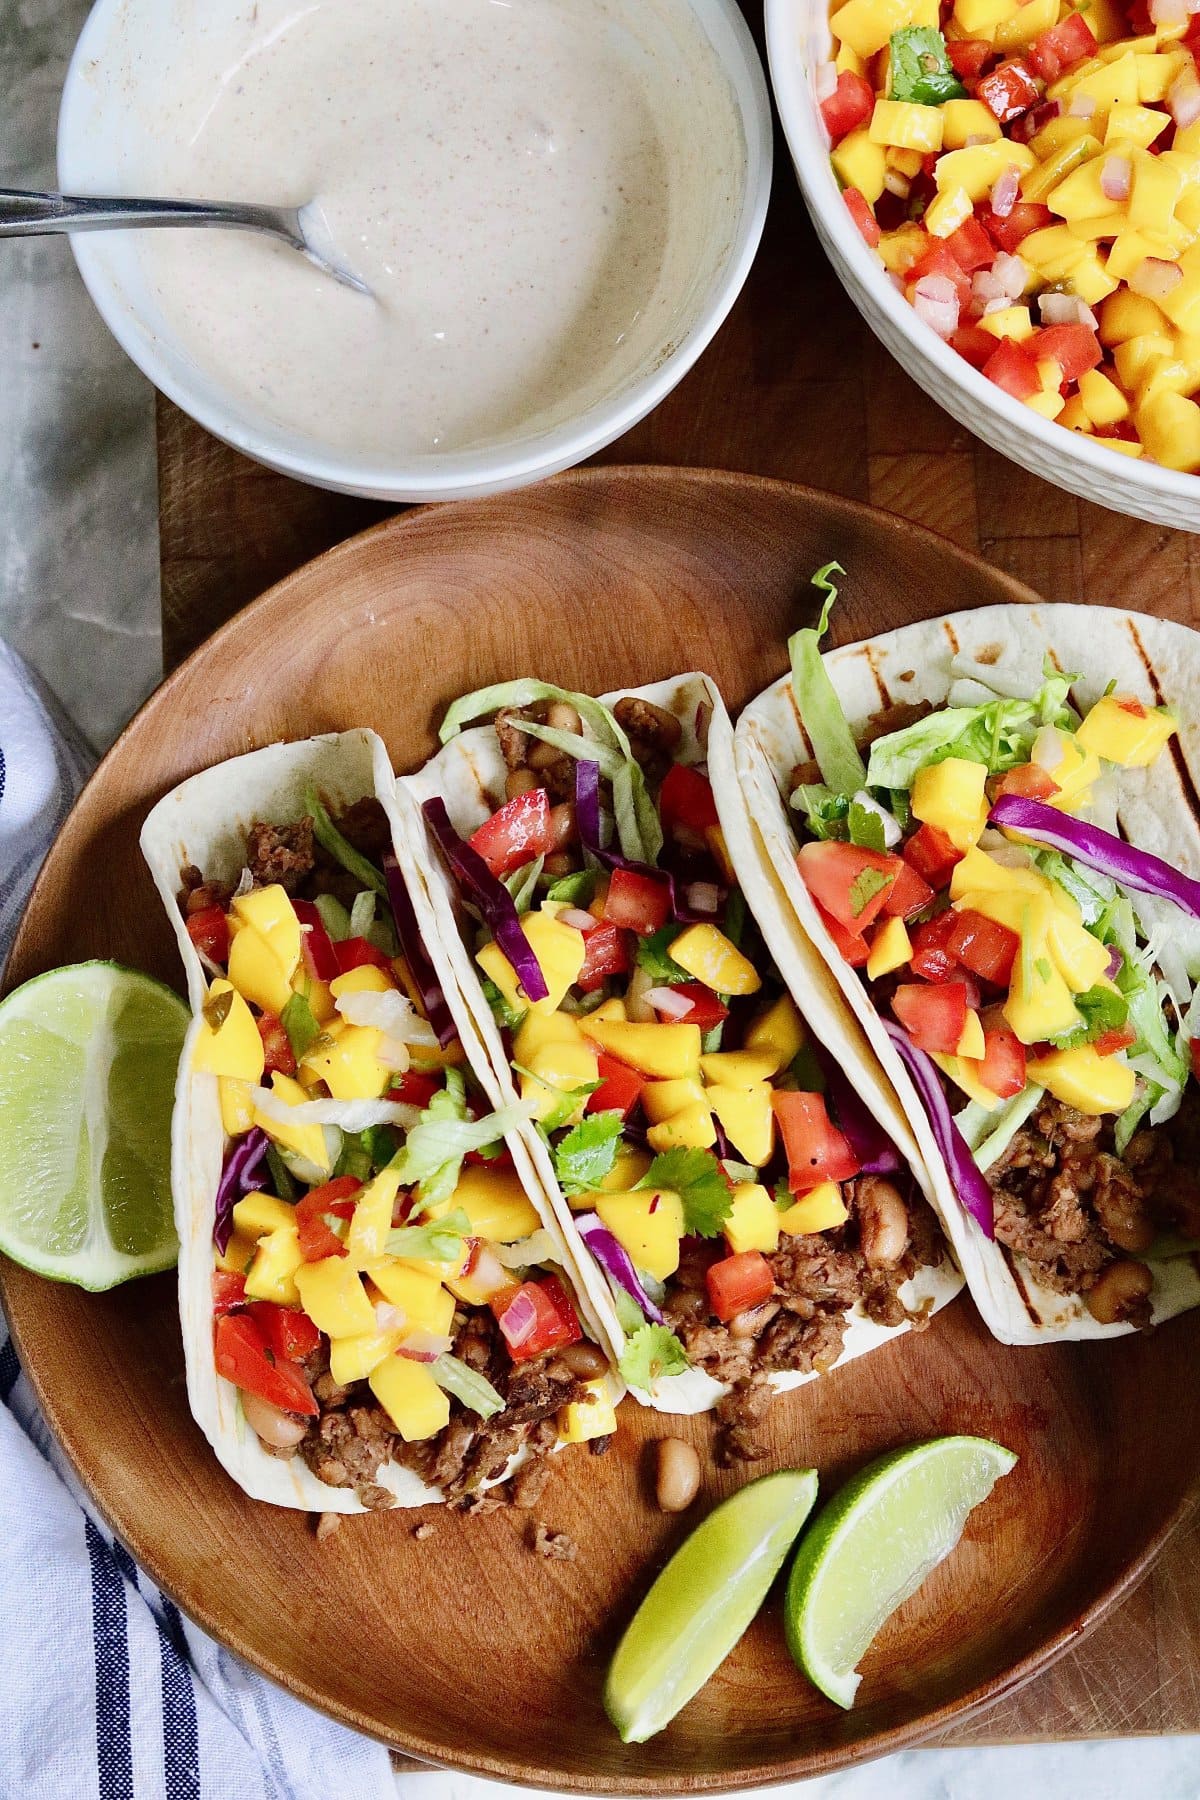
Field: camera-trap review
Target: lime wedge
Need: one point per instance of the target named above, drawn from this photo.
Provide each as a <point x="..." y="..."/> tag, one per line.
<point x="703" y="1601"/>
<point x="872" y="1546"/>
<point x="88" y="1057"/>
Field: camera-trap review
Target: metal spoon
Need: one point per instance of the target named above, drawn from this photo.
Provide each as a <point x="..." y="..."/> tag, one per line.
<point x="39" y="215"/>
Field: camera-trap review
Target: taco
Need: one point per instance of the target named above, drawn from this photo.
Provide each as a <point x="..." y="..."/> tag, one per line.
<point x="748" y="1214"/>
<point x="987" y="826"/>
<point x="375" y="1312"/>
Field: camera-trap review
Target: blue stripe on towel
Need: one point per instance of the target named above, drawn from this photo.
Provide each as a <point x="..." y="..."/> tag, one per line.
<point x="181" y="1745"/>
<point x="114" y="1748"/>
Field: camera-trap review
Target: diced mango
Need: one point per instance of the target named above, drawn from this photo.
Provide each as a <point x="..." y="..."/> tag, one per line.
<point x="318" y="994"/>
<point x="1056" y="134"/>
<point x="966" y="1076"/>
<point x="1156" y="188"/>
<point x="1155" y="74"/>
<point x="609" y="1009"/>
<point x="366" y="979"/>
<point x="753" y="1222"/>
<point x="237" y="1108"/>
<point x="947" y="212"/>
<point x="238" y="1254"/>
<point x="353" y="1358"/>
<point x="906" y="125"/>
<point x="257" y="1214"/>
<point x="963" y="119"/>
<point x="1027" y="23"/>
<point x="1137" y="355"/>
<point x="746" y="1119"/>
<point x="858" y="163"/>
<point x="1123" y="730"/>
<point x="411" y="1398"/>
<point x="778" y="1031"/>
<point x="979" y="18"/>
<point x="1052" y="252"/>
<point x="891" y="948"/>
<point x="691" y="1128"/>
<point x="425" y="1303"/>
<point x="1040" y="1005"/>
<point x="1009" y="322"/>
<point x="307" y="1141"/>
<point x="664" y="1052"/>
<point x="560" y="953"/>
<point x="1127" y="315"/>
<point x="1138" y="125"/>
<point x="271" y="1276"/>
<point x="1169" y="427"/>
<point x="1123" y="447"/>
<point x="738" y="1068"/>
<point x="1074" y="417"/>
<point x="1040" y="180"/>
<point x="867" y="25"/>
<point x="371" y="1220"/>
<point x="346" y="1059"/>
<point x="971" y="1043"/>
<point x="234" y="1047"/>
<point x="1081" y="959"/>
<point x="269" y="911"/>
<point x="1080" y="194"/>
<point x="950" y="795"/>
<point x="593" y="1417"/>
<point x="257" y="973"/>
<point x="821" y="1209"/>
<point x="1049" y="406"/>
<point x="1102" y="399"/>
<point x="496" y="1204"/>
<point x="1091" y="1083"/>
<point x="1075" y="772"/>
<point x="539" y="1030"/>
<point x="333" y="1296"/>
<point x="557" y="1069"/>
<point x="979" y="873"/>
<point x="1111" y="84"/>
<point x="979" y="166"/>
<point x="629" y="1165"/>
<point x="662" y="1098"/>
<point x="648" y="1225"/>
<point x="708" y="954"/>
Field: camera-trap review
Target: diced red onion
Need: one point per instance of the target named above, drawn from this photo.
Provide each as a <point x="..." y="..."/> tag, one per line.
<point x="1026" y="127"/>
<point x="576" y="917"/>
<point x="969" y="1185"/>
<point x="518" y="1321"/>
<point x="1000" y="304"/>
<point x="825" y="80"/>
<point x="1082" y="106"/>
<point x="315" y="943"/>
<point x="670" y="1002"/>
<point x="388" y="1317"/>
<point x="1183" y="97"/>
<point x="1097" y="849"/>
<point x="241" y="1174"/>
<point x="412" y="948"/>
<point x="1012" y="272"/>
<point x="1005" y="189"/>
<point x="1168" y="12"/>
<point x="1047" y="751"/>
<point x="1154" y="278"/>
<point x="1066" y="309"/>
<point x="1116" y="177"/>
<point x="703" y="897"/>
<point x="936" y="302"/>
<point x="491" y="896"/>
<point x="1116" y="961"/>
<point x="615" y="1261"/>
<point x="897" y="184"/>
<point x="986" y="288"/>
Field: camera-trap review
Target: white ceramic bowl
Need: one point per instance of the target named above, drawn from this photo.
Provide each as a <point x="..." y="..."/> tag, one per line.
<point x="96" y="109"/>
<point x="798" y="40"/>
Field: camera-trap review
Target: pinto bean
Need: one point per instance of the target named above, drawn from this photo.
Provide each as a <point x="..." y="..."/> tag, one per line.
<point x="1118" y="1292"/>
<point x="563" y="717"/>
<point x="562" y="826"/>
<point x="518" y="782"/>
<point x="584" y="1360"/>
<point x="278" y="1430"/>
<point x="677" y="1479"/>
<point x="882" y="1220"/>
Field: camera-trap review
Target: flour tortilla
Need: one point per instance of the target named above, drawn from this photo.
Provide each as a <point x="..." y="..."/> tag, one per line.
<point x="1003" y="647"/>
<point x="469" y="774"/>
<point x="205" y="821"/>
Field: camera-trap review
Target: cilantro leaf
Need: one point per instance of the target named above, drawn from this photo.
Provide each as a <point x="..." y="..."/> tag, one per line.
<point x="921" y="67"/>
<point x="866" y="827"/>
<point x="650" y="1354"/>
<point x="784" y="1197"/>
<point x="696" y="1176"/>
<point x="1103" y="1009"/>
<point x="507" y="1017"/>
<point x="863" y="889"/>
<point x="653" y="956"/>
<point x="586" y="1155"/>
<point x="299" y="1021"/>
<point x="574" y="890"/>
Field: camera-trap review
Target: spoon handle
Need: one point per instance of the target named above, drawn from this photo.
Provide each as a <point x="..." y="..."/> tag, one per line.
<point x="38" y="215"/>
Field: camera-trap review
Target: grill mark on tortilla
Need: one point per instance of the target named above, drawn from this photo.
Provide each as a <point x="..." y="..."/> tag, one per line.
<point x="1019" y="1284"/>
<point x="1184" y="773"/>
<point x="795" y="706"/>
<point x="881" y="686"/>
<point x="951" y="636"/>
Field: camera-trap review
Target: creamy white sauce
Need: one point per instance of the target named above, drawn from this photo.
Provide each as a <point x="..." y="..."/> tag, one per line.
<point x="537" y="192"/>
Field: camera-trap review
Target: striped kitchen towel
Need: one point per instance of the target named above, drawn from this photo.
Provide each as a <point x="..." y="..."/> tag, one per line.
<point x="106" y="1692"/>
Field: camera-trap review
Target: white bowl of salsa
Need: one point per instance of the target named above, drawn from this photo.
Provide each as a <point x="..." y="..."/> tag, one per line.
<point x="555" y="203"/>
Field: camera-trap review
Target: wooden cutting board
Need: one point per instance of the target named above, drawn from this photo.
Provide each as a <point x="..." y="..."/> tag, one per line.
<point x="794" y="386"/>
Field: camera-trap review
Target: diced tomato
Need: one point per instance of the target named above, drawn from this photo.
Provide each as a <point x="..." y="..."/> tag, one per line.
<point x="1012" y="368"/>
<point x="620" y="1087"/>
<point x="607" y="952"/>
<point x="228" y="1289"/>
<point x="1124" y="429"/>
<point x="971" y="247"/>
<point x="637" y="902"/>
<point x="856" y="950"/>
<point x="416" y="1087"/>
<point x="1008" y="233"/>
<point x="983" y="945"/>
<point x="1002" y="1065"/>
<point x="851" y="103"/>
<point x="278" y="1055"/>
<point x="707" y="1009"/>
<point x="908" y="895"/>
<point x="209" y="931"/>
<point x="1075" y="348"/>
<point x="356" y="953"/>
<point x="287" y="1331"/>
<point x="932" y="959"/>
<point x="934" y="1017"/>
<point x="968" y="56"/>
<point x="316" y="1239"/>
<point x="1194" y="1052"/>
<point x="1109" y="1042"/>
<point x="1129" y="704"/>
<point x="816" y="1150"/>
<point x="973" y="343"/>
<point x="939" y="260"/>
<point x="686" y="798"/>
<point x="1009" y="89"/>
<point x="1028" y="782"/>
<point x="536" y="1317"/>
<point x="737" y="1283"/>
<point x="843" y="880"/>
<point x="1064" y="44"/>
<point x="315" y="942"/>
<point x="241" y="1356"/>
<point x="860" y="211"/>
<point x="930" y="852"/>
<point x="516" y="833"/>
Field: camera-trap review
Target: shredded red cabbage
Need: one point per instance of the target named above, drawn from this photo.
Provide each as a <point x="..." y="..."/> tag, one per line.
<point x="1097" y="849"/>
<point x="615" y="1260"/>
<point x="970" y="1186"/>
<point x="412" y="948"/>
<point x="876" y="1153"/>
<point x="240" y="1175"/>
<point x="587" y="820"/>
<point x="319" y="957"/>
<point x="493" y="899"/>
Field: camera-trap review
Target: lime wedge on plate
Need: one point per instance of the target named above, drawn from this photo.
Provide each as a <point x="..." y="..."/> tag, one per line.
<point x="872" y="1546"/>
<point x="88" y="1057"/>
<point x="703" y="1601"/>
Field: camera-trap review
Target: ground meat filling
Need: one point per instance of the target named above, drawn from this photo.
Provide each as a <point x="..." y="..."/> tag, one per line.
<point x="353" y="1437"/>
<point x="289" y="856"/>
<point x="1071" y="1206"/>
<point x="819" y="1278"/>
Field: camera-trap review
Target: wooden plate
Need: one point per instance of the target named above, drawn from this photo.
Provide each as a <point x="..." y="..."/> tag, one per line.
<point x="466" y="1649"/>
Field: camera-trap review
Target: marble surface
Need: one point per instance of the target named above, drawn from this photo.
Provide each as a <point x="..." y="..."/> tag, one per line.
<point x="79" y="598"/>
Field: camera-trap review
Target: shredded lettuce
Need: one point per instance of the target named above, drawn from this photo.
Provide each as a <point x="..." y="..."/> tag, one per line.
<point x="825" y="723"/>
<point x="334" y="917"/>
<point x="438" y="1241"/>
<point x="331" y="839"/>
<point x="467" y="1385"/>
<point x="431" y="1159"/>
<point x="522" y="883"/>
<point x="998" y="733"/>
<point x="988" y="1134"/>
<point x="362" y="913"/>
